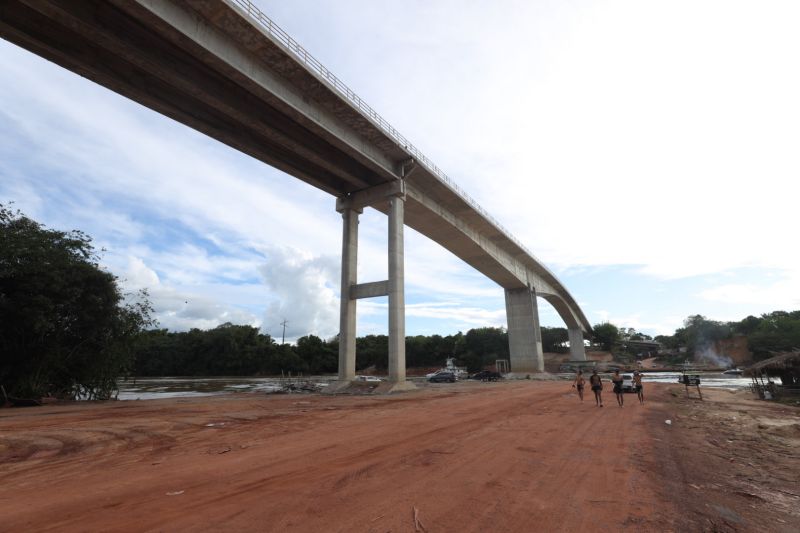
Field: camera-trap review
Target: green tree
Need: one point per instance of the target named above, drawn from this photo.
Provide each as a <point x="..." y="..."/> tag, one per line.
<point x="65" y="329"/>
<point x="317" y="355"/>
<point x="777" y="331"/>
<point x="605" y="334"/>
<point x="747" y="326"/>
<point x="372" y="350"/>
<point x="674" y="341"/>
<point x="554" y="339"/>
<point x="483" y="346"/>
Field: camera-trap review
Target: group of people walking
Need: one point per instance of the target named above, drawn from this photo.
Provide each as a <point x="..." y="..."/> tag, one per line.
<point x="596" y="384"/>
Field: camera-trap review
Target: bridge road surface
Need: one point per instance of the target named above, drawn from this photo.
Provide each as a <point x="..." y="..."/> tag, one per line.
<point x="519" y="456"/>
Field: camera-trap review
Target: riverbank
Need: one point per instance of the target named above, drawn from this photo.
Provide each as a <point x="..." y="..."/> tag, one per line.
<point x="515" y="456"/>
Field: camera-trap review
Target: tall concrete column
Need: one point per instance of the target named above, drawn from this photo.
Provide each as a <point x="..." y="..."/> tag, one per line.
<point x="524" y="335"/>
<point x="397" y="301"/>
<point x="347" y="310"/>
<point x="577" y="351"/>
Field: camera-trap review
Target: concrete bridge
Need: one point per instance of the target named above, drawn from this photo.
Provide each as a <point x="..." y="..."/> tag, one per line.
<point x="225" y="69"/>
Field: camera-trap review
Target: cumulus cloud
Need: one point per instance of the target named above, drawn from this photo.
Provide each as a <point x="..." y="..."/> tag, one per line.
<point x="177" y="308"/>
<point x="302" y="286"/>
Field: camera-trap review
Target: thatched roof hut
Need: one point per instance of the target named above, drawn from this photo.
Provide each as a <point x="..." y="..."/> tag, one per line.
<point x="785" y="365"/>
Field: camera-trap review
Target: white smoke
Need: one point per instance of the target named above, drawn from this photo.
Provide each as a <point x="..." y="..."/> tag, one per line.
<point x="710" y="356"/>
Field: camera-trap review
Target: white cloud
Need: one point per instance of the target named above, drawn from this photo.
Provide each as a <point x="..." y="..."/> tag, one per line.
<point x="666" y="326"/>
<point x="181" y="309"/>
<point x="769" y="295"/>
<point x="458" y="315"/>
<point x="464" y="317"/>
<point x="139" y="276"/>
<point x="302" y="287"/>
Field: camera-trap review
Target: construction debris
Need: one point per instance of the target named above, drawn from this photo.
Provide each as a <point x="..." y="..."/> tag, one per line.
<point x="297" y="387"/>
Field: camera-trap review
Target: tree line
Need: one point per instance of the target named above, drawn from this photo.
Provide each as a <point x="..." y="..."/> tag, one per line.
<point x="771" y="332"/>
<point x="236" y="350"/>
<point x="766" y="334"/>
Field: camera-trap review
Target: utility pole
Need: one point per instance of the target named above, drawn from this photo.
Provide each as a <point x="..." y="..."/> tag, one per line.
<point x="283" y="338"/>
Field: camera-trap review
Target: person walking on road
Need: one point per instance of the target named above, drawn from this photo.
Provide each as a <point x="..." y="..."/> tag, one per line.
<point x="579" y="383"/>
<point x="597" y="387"/>
<point x="616" y="379"/>
<point x="637" y="383"/>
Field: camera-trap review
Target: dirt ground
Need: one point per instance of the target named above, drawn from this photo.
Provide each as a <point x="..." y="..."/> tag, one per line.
<point x="515" y="456"/>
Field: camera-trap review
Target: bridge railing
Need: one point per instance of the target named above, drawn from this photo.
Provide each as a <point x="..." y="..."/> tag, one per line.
<point x="314" y="65"/>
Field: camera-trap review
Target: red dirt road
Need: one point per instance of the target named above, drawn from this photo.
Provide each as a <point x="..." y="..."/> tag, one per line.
<point x="519" y="456"/>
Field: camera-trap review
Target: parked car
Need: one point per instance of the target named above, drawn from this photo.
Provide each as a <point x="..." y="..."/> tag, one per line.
<point x="368" y="378"/>
<point x="486" y="375"/>
<point x="627" y="383"/>
<point x="441" y="377"/>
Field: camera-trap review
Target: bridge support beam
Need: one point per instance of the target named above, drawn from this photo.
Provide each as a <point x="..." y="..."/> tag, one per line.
<point x="524" y="335"/>
<point x="350" y="207"/>
<point x="577" y="351"/>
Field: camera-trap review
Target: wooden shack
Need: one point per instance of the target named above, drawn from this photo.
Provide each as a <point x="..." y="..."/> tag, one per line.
<point x="785" y="365"/>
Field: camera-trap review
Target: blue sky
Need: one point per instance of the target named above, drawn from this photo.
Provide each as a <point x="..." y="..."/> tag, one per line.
<point x="647" y="153"/>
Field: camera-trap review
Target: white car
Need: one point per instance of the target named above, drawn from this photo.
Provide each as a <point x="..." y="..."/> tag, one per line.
<point x="627" y="383"/>
<point x="368" y="378"/>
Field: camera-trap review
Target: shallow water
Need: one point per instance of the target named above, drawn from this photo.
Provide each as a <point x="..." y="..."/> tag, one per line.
<point x="707" y="379"/>
<point x="181" y="387"/>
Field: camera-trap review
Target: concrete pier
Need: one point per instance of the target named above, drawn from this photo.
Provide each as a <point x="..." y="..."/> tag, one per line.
<point x="347" y="318"/>
<point x="397" y="302"/>
<point x="524" y="335"/>
<point x="577" y="351"/>
<point x="347" y="306"/>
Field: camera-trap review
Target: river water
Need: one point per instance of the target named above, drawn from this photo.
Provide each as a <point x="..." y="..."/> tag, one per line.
<point x="707" y="379"/>
<point x="180" y="387"/>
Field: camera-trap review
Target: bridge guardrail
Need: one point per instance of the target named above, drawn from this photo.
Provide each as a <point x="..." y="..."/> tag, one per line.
<point x="314" y="64"/>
